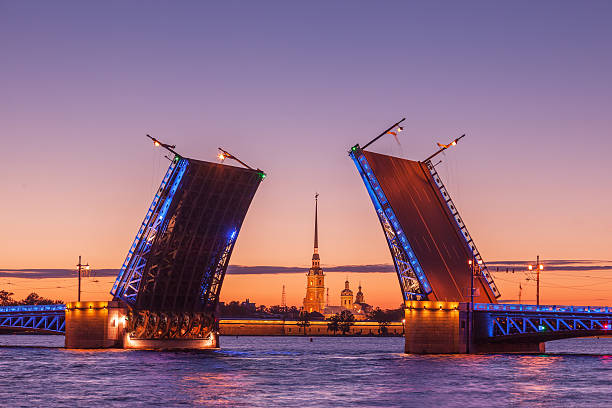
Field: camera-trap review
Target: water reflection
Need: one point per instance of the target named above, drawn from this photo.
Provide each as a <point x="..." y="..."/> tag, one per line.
<point x="272" y="371"/>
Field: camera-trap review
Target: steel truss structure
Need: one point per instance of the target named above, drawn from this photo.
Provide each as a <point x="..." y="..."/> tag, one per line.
<point x="543" y="321"/>
<point x="412" y="279"/>
<point x="44" y="318"/>
<point x="464" y="232"/>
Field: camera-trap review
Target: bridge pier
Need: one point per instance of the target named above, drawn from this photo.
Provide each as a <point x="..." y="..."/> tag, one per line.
<point x="445" y="328"/>
<point x="435" y="328"/>
<point x="91" y="325"/>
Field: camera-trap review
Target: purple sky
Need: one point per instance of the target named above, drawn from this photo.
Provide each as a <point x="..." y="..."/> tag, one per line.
<point x="289" y="87"/>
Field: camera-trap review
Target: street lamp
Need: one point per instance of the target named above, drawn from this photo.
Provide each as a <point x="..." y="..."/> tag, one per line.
<point x="471" y="263"/>
<point x="539" y="267"/>
<point x="81" y="266"/>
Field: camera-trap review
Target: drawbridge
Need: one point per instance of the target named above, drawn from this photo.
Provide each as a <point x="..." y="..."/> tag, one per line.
<point x="428" y="240"/>
<point x="168" y="288"/>
<point x="172" y="276"/>
<point x="449" y="294"/>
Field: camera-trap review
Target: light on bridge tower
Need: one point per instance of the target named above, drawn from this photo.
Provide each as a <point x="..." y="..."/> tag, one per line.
<point x="538" y="267"/>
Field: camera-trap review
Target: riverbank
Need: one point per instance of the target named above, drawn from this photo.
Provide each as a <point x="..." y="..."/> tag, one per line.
<point x="279" y="327"/>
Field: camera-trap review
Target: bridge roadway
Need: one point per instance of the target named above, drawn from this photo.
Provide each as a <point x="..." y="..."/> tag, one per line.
<point x="430" y="326"/>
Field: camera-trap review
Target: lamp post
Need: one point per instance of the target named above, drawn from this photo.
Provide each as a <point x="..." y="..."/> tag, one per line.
<point x="472" y="265"/>
<point x="86" y="267"/>
<point x="539" y="267"/>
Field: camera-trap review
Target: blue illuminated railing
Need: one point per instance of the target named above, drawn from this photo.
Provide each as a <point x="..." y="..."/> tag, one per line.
<point x="212" y="280"/>
<point x="128" y="282"/>
<point x="32" y="308"/>
<point x="143" y="226"/>
<point x="45" y="318"/>
<point x="406" y="263"/>
<point x="548" y="322"/>
<point x="542" y="308"/>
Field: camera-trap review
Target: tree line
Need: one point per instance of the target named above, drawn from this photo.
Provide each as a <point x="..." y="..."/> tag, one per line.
<point x="6" y="299"/>
<point x="337" y="323"/>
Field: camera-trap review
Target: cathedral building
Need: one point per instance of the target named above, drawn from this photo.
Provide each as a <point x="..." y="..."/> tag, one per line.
<point x="315" y="279"/>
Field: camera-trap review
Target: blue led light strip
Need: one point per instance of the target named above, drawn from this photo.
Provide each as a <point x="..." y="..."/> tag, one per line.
<point x="33" y="308"/>
<point x="410" y="273"/>
<point x="128" y="288"/>
<point x="47" y="318"/>
<point x="143" y="226"/>
<point x="210" y="286"/>
<point x="464" y="232"/>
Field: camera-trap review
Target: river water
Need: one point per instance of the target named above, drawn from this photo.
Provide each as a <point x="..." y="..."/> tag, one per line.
<point x="290" y="371"/>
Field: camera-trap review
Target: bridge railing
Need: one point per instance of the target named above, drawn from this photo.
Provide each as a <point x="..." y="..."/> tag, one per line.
<point x="32" y="308"/>
<point x="542" y="308"/>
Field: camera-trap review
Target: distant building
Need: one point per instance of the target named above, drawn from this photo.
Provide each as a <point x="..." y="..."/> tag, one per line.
<point x="359" y="296"/>
<point x="315" y="279"/>
<point x="346" y="297"/>
<point x="358" y="307"/>
<point x="248" y="305"/>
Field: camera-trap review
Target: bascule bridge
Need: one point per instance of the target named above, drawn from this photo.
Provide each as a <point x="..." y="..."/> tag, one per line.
<point x="168" y="287"/>
<point x="449" y="294"/>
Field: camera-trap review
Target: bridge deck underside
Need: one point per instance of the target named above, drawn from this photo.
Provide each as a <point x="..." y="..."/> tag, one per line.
<point x="197" y="237"/>
<point x="435" y="239"/>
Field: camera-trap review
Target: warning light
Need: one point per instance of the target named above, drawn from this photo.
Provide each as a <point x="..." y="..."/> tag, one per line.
<point x="541" y="267"/>
<point x="530" y="267"/>
<point x="156" y="143"/>
<point x="221" y="156"/>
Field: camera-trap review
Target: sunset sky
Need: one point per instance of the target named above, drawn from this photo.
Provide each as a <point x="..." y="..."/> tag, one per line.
<point x="288" y="87"/>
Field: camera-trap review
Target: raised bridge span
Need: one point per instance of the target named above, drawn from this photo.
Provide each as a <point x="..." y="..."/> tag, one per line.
<point x="449" y="294"/>
<point x="168" y="288"/>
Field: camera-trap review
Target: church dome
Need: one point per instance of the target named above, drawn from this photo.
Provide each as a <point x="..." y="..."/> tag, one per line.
<point x="359" y="298"/>
<point x="346" y="291"/>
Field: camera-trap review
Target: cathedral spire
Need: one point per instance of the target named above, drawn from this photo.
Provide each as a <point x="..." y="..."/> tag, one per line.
<point x="316" y="232"/>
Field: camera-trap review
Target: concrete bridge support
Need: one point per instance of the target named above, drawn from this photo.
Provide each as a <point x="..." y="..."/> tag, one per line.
<point x="91" y="325"/>
<point x="435" y="327"/>
<point x="447" y="328"/>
